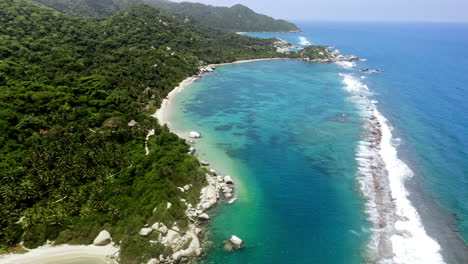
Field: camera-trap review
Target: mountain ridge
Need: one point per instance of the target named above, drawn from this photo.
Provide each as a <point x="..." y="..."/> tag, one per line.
<point x="237" y="18"/>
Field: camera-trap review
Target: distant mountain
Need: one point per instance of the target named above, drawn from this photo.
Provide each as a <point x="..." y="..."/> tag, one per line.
<point x="238" y="18"/>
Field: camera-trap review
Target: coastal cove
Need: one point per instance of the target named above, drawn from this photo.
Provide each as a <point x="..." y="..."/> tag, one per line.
<point x="264" y="192"/>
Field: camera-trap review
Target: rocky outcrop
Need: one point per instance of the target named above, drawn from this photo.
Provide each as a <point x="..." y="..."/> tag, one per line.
<point x="205" y="69"/>
<point x="194" y="134"/>
<point x="184" y="244"/>
<point x="104" y="238"/>
<point x="324" y="54"/>
<point x="282" y="46"/>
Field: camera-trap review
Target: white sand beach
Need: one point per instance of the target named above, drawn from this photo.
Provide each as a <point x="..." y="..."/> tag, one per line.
<point x="64" y="254"/>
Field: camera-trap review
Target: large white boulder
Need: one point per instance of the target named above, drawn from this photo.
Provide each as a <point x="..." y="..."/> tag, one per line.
<point x="102" y="239"/>
<point x="159" y="227"/>
<point x="145" y="231"/>
<point x="172" y="236"/>
<point x="204" y="217"/>
<point x="153" y="261"/>
<point x="194" y="134"/>
<point x="228" y="180"/>
<point x="194" y="249"/>
<point x="176" y="256"/>
<point x="208" y="197"/>
<point x="236" y="242"/>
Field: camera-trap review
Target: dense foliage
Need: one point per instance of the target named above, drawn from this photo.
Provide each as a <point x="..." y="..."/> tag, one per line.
<point x="238" y="18"/>
<point x="70" y="164"/>
<point x="314" y="52"/>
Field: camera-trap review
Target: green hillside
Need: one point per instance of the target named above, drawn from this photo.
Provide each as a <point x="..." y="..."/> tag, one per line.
<point x="70" y="165"/>
<point x="238" y="18"/>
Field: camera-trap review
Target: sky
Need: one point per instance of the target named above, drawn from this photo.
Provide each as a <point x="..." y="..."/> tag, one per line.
<point x="355" y="10"/>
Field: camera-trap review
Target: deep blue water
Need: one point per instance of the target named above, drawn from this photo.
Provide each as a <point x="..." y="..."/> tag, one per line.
<point x="272" y="125"/>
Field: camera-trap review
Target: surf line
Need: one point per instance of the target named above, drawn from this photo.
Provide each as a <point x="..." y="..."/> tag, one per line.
<point x="398" y="236"/>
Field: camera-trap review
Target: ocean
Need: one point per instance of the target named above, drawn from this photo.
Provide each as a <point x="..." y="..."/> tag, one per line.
<point x="299" y="140"/>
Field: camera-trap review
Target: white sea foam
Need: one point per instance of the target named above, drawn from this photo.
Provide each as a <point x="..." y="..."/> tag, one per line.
<point x="346" y="64"/>
<point x="416" y="246"/>
<point x="409" y="241"/>
<point x="304" y="41"/>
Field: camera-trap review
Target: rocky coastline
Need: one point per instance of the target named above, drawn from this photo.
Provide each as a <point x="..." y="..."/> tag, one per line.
<point x="375" y="186"/>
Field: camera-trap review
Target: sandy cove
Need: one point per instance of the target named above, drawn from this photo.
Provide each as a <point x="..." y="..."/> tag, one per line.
<point x="63" y="254"/>
<point x="162" y="114"/>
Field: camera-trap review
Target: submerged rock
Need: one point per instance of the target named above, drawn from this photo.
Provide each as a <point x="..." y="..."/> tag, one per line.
<point x="102" y="239"/>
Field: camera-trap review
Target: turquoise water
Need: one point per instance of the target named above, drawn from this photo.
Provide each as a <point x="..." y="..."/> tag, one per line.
<point x="275" y="124"/>
<point x="275" y="127"/>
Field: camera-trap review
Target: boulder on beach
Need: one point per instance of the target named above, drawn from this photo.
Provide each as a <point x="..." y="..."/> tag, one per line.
<point x="204" y="216"/>
<point x="204" y="163"/>
<point x="208" y="197"/>
<point x="228" y="180"/>
<point x="102" y="239"/>
<point x="194" y="134"/>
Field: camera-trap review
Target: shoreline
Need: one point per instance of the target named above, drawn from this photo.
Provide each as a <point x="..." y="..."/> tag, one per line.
<point x="64" y="254"/>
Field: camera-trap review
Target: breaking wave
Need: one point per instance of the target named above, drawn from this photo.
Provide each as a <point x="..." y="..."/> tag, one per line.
<point x="398" y="236"/>
<point x="304" y="41"/>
